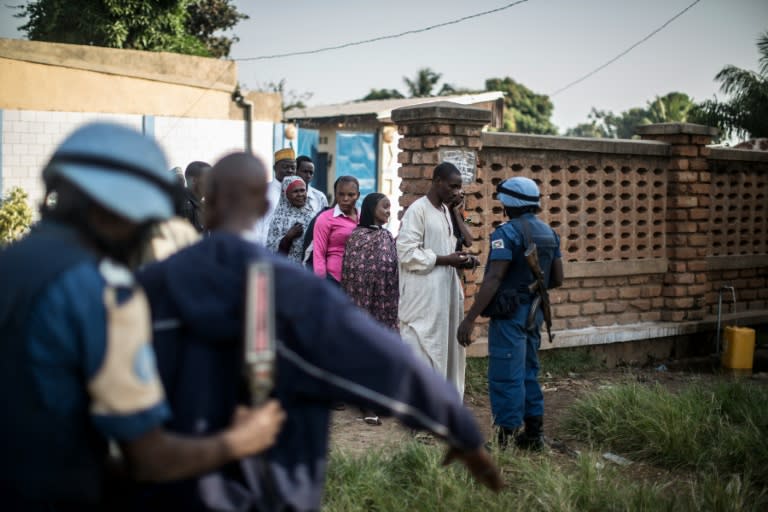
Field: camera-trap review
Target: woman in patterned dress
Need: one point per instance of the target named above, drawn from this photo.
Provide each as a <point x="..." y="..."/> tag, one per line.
<point x="370" y="269"/>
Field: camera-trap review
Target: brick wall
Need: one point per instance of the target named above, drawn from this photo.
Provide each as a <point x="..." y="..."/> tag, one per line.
<point x="649" y="228"/>
<point x="737" y="238"/>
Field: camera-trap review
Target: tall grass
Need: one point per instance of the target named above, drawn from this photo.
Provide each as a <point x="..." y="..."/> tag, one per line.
<point x="722" y="425"/>
<point x="476" y="376"/>
<point x="411" y="478"/>
<point x="719" y="431"/>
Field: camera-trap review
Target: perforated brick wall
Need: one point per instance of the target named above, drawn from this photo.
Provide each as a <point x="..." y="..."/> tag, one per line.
<point x="650" y="229"/>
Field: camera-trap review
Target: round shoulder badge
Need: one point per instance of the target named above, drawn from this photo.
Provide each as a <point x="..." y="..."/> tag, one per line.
<point x="115" y="274"/>
<point x="144" y="364"/>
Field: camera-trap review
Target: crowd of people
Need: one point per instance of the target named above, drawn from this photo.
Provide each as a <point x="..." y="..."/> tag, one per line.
<point x="134" y="335"/>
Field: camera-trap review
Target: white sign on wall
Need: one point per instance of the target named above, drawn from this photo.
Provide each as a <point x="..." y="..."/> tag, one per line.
<point x="464" y="160"/>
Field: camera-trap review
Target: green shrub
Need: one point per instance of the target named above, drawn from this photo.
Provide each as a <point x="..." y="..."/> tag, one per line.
<point x="15" y="216"/>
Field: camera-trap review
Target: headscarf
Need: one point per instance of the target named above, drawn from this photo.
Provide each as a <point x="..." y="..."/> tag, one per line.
<point x="285" y="216"/>
<point x="368" y="210"/>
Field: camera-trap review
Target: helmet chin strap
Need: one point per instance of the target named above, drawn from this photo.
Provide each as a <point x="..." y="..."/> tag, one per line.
<point x="75" y="208"/>
<point x="121" y="250"/>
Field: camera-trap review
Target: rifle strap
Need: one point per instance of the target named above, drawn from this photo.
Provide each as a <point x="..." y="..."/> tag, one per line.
<point x="522" y="225"/>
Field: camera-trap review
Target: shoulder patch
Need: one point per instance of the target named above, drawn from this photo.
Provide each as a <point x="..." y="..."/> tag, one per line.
<point x="127" y="381"/>
<point x="497" y="244"/>
<point x="115" y="274"/>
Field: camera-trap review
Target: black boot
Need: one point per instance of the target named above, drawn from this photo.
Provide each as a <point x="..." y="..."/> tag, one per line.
<point x="505" y="436"/>
<point x="532" y="438"/>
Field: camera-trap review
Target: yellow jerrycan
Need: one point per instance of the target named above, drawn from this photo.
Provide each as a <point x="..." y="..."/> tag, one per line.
<point x="739" y="348"/>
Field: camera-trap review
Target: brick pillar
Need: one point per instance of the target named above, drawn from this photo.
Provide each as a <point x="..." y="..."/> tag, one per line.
<point x="687" y="216"/>
<point x="426" y="130"/>
<point x="429" y="131"/>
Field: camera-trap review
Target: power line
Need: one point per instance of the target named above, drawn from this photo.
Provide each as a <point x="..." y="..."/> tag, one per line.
<point x="599" y="68"/>
<point x="338" y="47"/>
<point x="382" y="38"/>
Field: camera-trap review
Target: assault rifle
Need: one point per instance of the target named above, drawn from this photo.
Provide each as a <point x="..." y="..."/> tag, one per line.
<point x="540" y="289"/>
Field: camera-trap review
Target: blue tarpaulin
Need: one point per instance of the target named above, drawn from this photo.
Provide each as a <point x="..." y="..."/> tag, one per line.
<point x="356" y="156"/>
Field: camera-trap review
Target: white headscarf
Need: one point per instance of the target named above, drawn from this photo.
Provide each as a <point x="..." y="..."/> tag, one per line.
<point x="283" y="219"/>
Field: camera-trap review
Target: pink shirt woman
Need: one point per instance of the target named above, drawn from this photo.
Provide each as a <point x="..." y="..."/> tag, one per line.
<point x="332" y="229"/>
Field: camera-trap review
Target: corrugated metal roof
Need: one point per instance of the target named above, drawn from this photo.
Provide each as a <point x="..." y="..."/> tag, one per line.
<point x="382" y="109"/>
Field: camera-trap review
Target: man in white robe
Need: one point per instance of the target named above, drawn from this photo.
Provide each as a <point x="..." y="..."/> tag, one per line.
<point x="285" y="165"/>
<point x="431" y="296"/>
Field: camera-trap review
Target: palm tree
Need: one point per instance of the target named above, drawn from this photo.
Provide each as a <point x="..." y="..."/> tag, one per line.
<point x="671" y="108"/>
<point x="423" y="84"/>
<point x="745" y="114"/>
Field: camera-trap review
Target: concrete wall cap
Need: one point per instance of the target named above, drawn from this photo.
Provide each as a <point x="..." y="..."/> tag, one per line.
<point x="676" y="129"/>
<point x="581" y="144"/>
<point x="734" y="154"/>
<point x="441" y="111"/>
<point x="190" y="70"/>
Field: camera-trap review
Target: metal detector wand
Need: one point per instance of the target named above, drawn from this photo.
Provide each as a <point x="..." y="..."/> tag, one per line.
<point x="260" y="332"/>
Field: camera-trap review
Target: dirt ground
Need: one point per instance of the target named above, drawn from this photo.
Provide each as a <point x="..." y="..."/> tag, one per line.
<point x="352" y="435"/>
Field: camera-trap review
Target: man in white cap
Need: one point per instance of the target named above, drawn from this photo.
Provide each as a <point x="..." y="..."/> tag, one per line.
<point x="513" y="344"/>
<point x="77" y="367"/>
<point x="285" y="165"/>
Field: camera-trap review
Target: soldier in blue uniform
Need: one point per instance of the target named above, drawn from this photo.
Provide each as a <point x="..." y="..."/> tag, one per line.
<point x="328" y="351"/>
<point x="513" y="365"/>
<point x="76" y="364"/>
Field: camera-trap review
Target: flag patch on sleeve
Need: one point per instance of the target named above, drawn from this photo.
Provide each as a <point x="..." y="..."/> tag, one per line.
<point x="497" y="244"/>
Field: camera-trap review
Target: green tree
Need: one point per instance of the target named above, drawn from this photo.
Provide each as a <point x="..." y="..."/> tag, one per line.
<point x="525" y="110"/>
<point x="206" y="18"/>
<point x="590" y="129"/>
<point x="181" y="26"/>
<point x="382" y="94"/>
<point x="673" y="107"/>
<point x="15" y="216"/>
<point x="620" y="126"/>
<point x="745" y="113"/>
<point x="423" y="83"/>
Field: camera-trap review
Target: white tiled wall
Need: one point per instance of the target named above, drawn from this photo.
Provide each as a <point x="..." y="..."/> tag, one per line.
<point x="186" y="140"/>
<point x="30" y="137"/>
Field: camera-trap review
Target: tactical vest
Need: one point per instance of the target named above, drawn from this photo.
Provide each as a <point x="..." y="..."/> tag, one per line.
<point x="513" y="290"/>
<point x="47" y="460"/>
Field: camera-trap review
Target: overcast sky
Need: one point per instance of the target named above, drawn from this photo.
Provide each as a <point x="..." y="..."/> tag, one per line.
<point x="544" y="44"/>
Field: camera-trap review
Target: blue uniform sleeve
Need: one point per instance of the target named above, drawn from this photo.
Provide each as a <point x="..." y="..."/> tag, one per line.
<point x="342" y="354"/>
<point x="91" y="351"/>
<point x="558" y="254"/>
<point x="505" y="242"/>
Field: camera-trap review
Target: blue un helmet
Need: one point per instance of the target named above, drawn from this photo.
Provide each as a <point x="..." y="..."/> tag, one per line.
<point x="518" y="192"/>
<point x="118" y="168"/>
